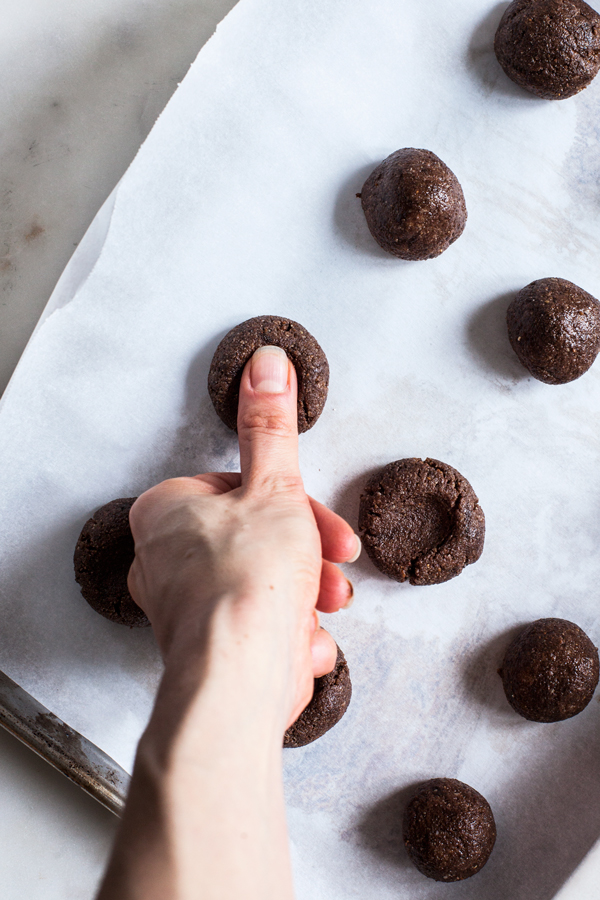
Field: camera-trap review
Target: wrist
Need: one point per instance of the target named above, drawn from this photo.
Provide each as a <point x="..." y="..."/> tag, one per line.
<point x="233" y="670"/>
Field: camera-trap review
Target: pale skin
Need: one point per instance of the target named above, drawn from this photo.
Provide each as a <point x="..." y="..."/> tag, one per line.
<point x="231" y="570"/>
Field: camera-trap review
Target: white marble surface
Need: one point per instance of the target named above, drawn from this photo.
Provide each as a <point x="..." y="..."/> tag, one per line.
<point x="82" y="84"/>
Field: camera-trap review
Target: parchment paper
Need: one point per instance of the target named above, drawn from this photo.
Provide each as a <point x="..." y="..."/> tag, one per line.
<point x="242" y="202"/>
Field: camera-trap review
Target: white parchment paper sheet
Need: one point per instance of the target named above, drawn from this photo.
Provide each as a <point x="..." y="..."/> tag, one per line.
<point x="242" y="202"/>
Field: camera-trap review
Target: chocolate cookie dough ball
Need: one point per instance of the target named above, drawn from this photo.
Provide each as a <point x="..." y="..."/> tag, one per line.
<point x="549" y="47"/>
<point x="103" y="557"/>
<point x="330" y="701"/>
<point x="238" y="345"/>
<point x="554" y="328"/>
<point x="420" y="521"/>
<point x="550" y="671"/>
<point x="414" y="205"/>
<point x="449" y="830"/>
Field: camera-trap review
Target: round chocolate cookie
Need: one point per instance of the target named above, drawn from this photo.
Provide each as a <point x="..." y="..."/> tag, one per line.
<point x="414" y="204"/>
<point x="550" y="671"/>
<point x="549" y="47"/>
<point x="421" y="521"/>
<point x="103" y="557"/>
<point x="238" y="345"/>
<point x="554" y="328"/>
<point x="449" y="830"/>
<point x="329" y="702"/>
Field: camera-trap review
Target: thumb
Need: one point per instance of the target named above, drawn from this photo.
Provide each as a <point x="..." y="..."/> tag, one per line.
<point x="268" y="416"/>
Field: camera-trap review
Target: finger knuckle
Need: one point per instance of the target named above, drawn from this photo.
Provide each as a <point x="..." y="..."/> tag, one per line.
<point x="154" y="499"/>
<point x="275" y="482"/>
<point x="270" y="422"/>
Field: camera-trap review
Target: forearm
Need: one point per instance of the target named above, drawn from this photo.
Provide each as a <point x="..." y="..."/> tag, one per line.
<point x="205" y="817"/>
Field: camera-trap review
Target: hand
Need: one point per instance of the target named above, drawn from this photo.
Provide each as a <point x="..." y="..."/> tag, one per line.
<point x="251" y="543"/>
<point x="230" y="570"/>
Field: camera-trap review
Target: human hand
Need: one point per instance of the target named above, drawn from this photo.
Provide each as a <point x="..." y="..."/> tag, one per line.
<point x="248" y="551"/>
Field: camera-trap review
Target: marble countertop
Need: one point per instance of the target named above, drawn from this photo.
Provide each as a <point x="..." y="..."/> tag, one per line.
<point x="82" y="85"/>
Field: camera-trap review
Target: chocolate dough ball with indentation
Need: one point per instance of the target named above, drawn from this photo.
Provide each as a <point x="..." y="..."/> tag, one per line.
<point x="550" y="671"/>
<point x="554" y="328"/>
<point x="238" y="345"/>
<point x="449" y="830"/>
<point x="103" y="557"/>
<point x="329" y="702"/>
<point x="549" y="47"/>
<point x="414" y="205"/>
<point x="420" y="521"/>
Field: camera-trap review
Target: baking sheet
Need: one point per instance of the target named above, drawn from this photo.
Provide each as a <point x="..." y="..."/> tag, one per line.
<point x="242" y="202"/>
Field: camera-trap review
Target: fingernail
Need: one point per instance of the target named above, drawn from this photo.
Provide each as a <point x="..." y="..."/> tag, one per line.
<point x="269" y="370"/>
<point x="350" y="599"/>
<point x="357" y="551"/>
